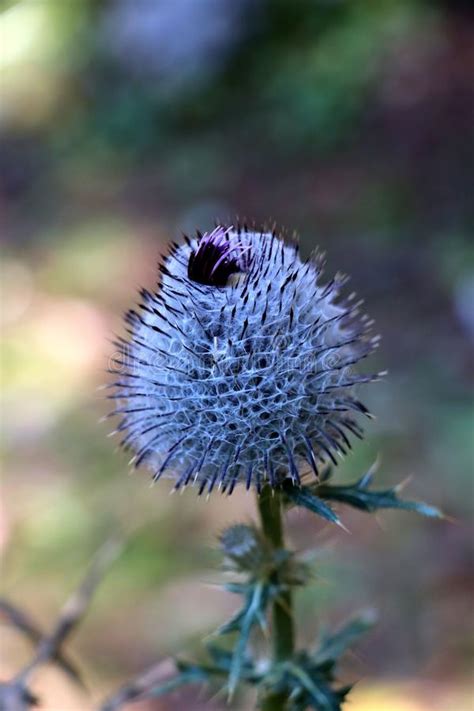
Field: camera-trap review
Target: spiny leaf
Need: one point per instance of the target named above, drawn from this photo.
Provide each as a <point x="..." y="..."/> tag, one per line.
<point x="250" y="617"/>
<point x="236" y="588"/>
<point x="222" y="660"/>
<point x="334" y="646"/>
<point x="303" y="496"/>
<point x="191" y="674"/>
<point x="361" y="497"/>
<point x="232" y="625"/>
<point x="317" y="691"/>
<point x="305" y="684"/>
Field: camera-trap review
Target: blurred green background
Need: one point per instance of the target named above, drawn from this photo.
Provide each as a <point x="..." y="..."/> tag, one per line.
<point x="122" y="124"/>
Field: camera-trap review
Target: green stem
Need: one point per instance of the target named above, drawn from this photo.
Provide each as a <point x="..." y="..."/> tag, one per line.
<point x="283" y="636"/>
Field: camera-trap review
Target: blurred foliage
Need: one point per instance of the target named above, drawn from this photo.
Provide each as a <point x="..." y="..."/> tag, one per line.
<point x="126" y="121"/>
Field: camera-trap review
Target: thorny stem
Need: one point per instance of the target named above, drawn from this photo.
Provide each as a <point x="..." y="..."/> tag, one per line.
<point x="269" y="505"/>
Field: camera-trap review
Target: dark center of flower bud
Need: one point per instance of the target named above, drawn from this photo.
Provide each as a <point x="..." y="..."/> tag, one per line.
<point x="215" y="259"/>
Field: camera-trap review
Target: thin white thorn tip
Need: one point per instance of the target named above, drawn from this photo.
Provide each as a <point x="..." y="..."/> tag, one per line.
<point x="402" y="484"/>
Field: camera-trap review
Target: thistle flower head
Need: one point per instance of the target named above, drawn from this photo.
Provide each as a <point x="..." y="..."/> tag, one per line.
<point x="240" y="367"/>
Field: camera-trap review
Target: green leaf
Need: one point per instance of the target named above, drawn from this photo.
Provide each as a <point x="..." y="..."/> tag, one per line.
<point x="305" y="683"/>
<point x="256" y="594"/>
<point x="236" y="588"/>
<point x="232" y="625"/>
<point x="317" y="690"/>
<point x="191" y="674"/>
<point x="361" y="497"/>
<point x="222" y="660"/>
<point x="249" y="618"/>
<point x="303" y="496"/>
<point x="333" y="646"/>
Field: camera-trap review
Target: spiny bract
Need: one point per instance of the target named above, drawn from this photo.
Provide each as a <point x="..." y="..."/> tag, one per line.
<point x="240" y="367"/>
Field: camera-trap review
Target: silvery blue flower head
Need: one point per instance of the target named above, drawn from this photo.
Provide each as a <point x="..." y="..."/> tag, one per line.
<point x="240" y="367"/>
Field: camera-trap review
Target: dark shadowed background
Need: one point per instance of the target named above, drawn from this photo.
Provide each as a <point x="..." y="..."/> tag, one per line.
<point x="126" y="122"/>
